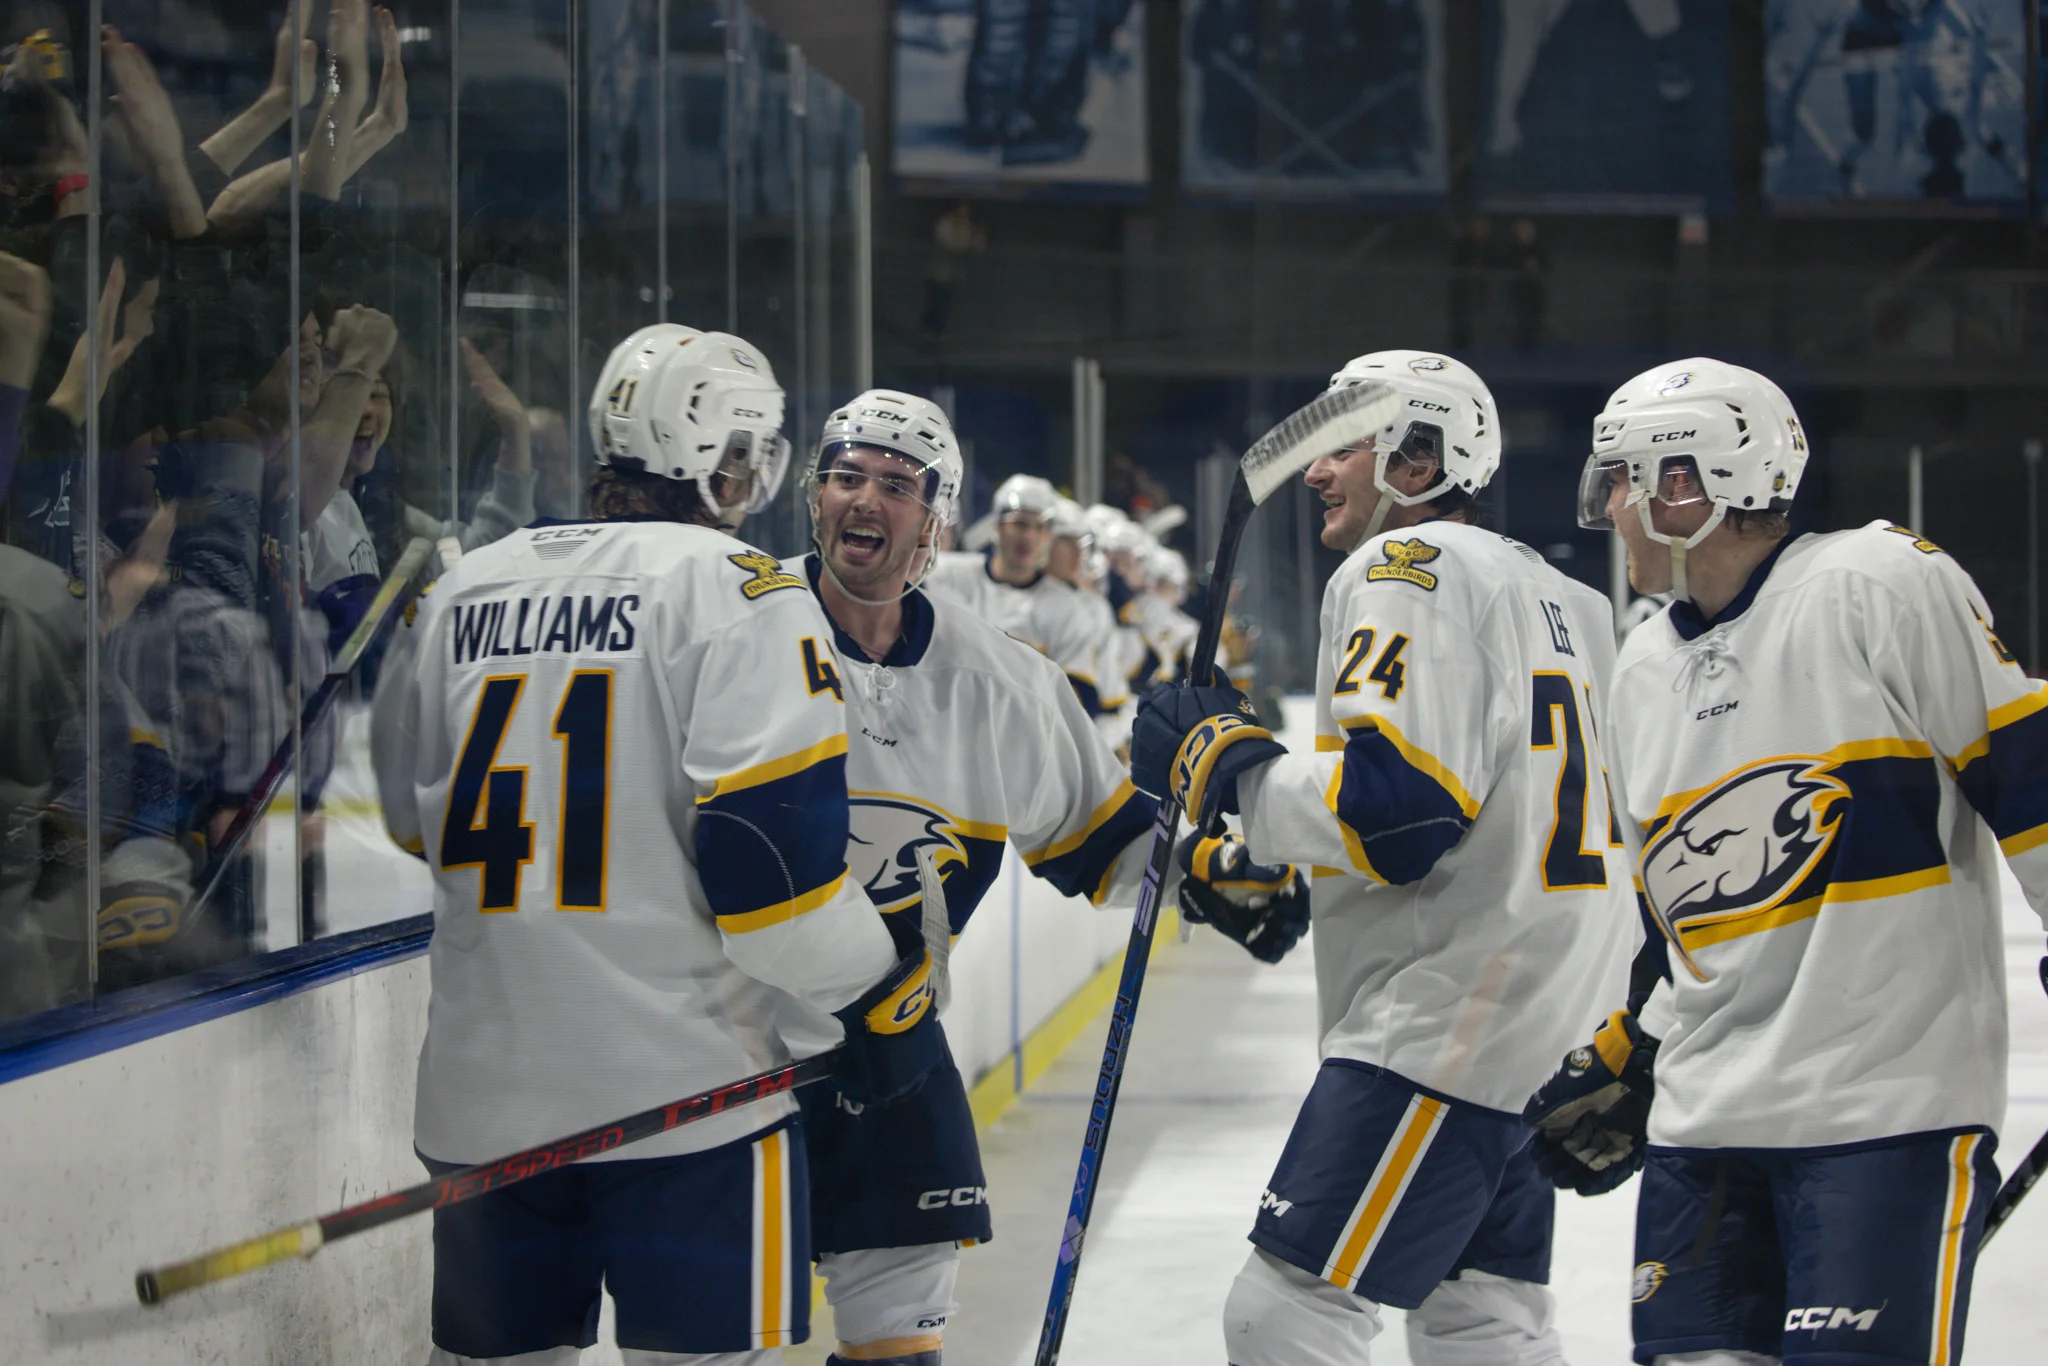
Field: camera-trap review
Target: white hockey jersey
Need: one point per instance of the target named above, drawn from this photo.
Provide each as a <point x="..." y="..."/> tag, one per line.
<point x="1824" y="777"/>
<point x="1046" y="614"/>
<point x="1473" y="912"/>
<point x="621" y="747"/>
<point x="965" y="739"/>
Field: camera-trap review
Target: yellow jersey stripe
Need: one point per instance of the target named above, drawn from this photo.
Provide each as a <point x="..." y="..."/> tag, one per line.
<point x="1325" y="744"/>
<point x="831" y="747"/>
<point x="1998" y="719"/>
<point x="771" y="1296"/>
<point x="1353" y="846"/>
<point x="2015" y="845"/>
<point x="1696" y="934"/>
<point x="1961" y="1187"/>
<point x="1419" y="759"/>
<point x="1892" y="747"/>
<point x="746" y="922"/>
<point x="1100" y="816"/>
<point x="1389" y="1181"/>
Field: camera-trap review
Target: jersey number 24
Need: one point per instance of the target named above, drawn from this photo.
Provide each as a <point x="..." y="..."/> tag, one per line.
<point x="486" y="826"/>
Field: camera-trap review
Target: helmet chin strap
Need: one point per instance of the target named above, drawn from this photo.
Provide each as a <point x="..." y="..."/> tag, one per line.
<point x="1678" y="545"/>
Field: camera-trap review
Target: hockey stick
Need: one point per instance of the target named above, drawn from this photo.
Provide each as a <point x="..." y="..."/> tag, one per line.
<point x="2015" y="1189"/>
<point x="2023" y="1177"/>
<point x="380" y="615"/>
<point x="158" y="1284"/>
<point x="1337" y="419"/>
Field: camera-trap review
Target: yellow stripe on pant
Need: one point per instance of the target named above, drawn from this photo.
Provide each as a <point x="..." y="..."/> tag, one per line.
<point x="771" y="1241"/>
<point x="1375" y="1210"/>
<point x="1962" y="1190"/>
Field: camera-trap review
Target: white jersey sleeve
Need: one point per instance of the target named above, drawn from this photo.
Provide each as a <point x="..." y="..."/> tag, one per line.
<point x="1401" y="778"/>
<point x="1935" y="651"/>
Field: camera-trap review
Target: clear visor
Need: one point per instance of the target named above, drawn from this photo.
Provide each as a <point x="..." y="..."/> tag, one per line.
<point x="1609" y="485"/>
<point x="750" y="473"/>
<point x="900" y="481"/>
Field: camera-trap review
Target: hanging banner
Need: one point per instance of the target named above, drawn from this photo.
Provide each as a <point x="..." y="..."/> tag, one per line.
<point x="1604" y="107"/>
<point x="1901" y="100"/>
<point x="1325" y="99"/>
<point x="1010" y="95"/>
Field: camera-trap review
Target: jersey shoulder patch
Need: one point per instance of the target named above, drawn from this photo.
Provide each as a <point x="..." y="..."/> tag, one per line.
<point x="768" y="574"/>
<point x="1404" y="561"/>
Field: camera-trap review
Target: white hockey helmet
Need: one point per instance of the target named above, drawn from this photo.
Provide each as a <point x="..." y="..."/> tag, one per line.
<point x="1446" y="411"/>
<point x="1115" y="532"/>
<point x="1694" y="431"/>
<point x="1026" y="493"/>
<point x="1070" y="522"/>
<point x="681" y="403"/>
<point x="902" y="424"/>
<point x="1167" y="566"/>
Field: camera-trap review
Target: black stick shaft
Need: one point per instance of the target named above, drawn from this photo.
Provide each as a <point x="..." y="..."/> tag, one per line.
<point x="376" y="624"/>
<point x="2015" y="1189"/>
<point x="1137" y="955"/>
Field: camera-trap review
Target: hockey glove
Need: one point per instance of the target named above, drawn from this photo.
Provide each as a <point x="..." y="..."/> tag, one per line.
<point x="892" y="1035"/>
<point x="1193" y="743"/>
<point x="1262" y="906"/>
<point x="1592" y="1117"/>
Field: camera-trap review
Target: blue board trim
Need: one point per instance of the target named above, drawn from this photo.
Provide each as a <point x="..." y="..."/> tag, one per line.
<point x="68" y="1034"/>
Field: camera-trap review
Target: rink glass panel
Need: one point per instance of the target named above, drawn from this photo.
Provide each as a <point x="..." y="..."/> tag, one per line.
<point x="181" y="561"/>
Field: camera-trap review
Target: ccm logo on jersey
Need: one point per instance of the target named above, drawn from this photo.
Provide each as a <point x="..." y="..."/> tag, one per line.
<point x="1718" y="709"/>
<point x="1402" y="559"/>
<point x="960" y="1197"/>
<point x="1827" y="1316"/>
<point x="1748" y="844"/>
<point x="1268" y="1200"/>
<point x="767" y="572"/>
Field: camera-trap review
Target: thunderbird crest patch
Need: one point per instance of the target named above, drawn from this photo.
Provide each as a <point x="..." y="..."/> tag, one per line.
<point x="768" y="574"/>
<point x="1402" y="559"/>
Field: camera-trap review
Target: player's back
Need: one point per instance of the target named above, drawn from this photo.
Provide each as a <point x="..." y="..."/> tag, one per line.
<point x="1487" y="911"/>
<point x="583" y="696"/>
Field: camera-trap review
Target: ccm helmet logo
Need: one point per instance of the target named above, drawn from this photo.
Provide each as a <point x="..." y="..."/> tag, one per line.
<point x="1674" y="436"/>
<point x="748" y="412"/>
<point x="1429" y="407"/>
<point x="960" y="1197"/>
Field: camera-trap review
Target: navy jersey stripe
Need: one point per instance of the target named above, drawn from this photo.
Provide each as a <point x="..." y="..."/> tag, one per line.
<point x="773" y="842"/>
<point x="1404" y="818"/>
<point x="1080" y="871"/>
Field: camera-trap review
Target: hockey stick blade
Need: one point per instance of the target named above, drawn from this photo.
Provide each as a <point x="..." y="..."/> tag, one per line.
<point x="301" y="1241"/>
<point x="1337" y="419"/>
<point x="1330" y="422"/>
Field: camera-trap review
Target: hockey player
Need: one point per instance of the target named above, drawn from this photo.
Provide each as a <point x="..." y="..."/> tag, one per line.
<point x="1010" y="587"/>
<point x="618" y="746"/>
<point x="963" y="739"/>
<point x="1069" y="561"/>
<point x="1826" y="749"/>
<point x="1470" y="903"/>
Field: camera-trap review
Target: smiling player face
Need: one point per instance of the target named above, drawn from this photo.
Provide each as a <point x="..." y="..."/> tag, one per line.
<point x="871" y="519"/>
<point x="1344" y="479"/>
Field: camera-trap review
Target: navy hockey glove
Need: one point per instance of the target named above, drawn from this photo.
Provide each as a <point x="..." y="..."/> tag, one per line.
<point x="892" y="1035"/>
<point x="1592" y="1117"/>
<point x="1262" y="906"/>
<point x="1192" y="743"/>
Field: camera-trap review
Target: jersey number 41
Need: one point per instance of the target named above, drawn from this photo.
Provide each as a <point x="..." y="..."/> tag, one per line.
<point x="486" y="825"/>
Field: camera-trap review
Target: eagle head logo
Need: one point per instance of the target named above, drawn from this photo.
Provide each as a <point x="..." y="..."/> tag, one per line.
<point x="885" y="833"/>
<point x="1746" y="844"/>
